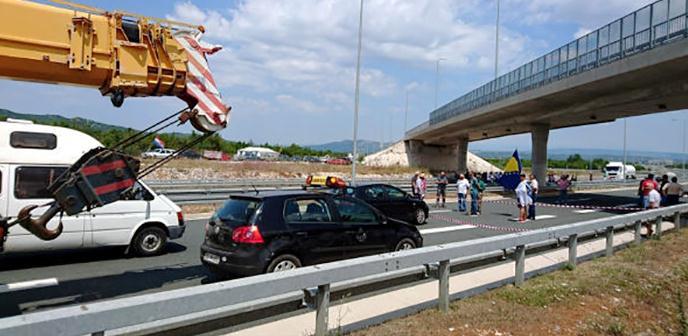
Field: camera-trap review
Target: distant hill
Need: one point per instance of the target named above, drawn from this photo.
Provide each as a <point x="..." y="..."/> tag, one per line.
<point x="52" y="119"/>
<point x="365" y="147"/>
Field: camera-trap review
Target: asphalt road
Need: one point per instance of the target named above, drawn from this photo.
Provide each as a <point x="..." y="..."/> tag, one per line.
<point x="91" y="275"/>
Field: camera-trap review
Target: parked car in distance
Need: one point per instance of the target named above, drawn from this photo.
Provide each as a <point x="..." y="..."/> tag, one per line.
<point x="158" y="153"/>
<point x="190" y="154"/>
<point x="275" y="231"/>
<point x="339" y="161"/>
<point x="33" y="156"/>
<point x="392" y="201"/>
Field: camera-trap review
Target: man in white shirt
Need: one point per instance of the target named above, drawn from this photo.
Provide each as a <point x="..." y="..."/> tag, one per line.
<point x="524" y="200"/>
<point x="653" y="199"/>
<point x="462" y="187"/>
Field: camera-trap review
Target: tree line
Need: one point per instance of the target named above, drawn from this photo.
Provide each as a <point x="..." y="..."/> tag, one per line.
<point x="112" y="136"/>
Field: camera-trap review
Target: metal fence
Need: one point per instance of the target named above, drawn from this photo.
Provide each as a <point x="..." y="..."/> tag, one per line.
<point x="195" y="192"/>
<point x="97" y="318"/>
<point x="659" y="23"/>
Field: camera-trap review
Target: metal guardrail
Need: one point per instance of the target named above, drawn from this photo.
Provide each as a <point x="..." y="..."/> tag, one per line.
<point x="656" y="24"/>
<point x="195" y="192"/>
<point x="97" y="318"/>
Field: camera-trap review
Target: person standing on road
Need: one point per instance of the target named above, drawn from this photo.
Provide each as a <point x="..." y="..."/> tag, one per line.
<point x="646" y="186"/>
<point x="523" y="199"/>
<point x="534" y="186"/>
<point x="563" y="183"/>
<point x="475" y="194"/>
<point x="421" y="185"/>
<point x="662" y="183"/>
<point x="414" y="179"/>
<point x="481" y="190"/>
<point x="462" y="187"/>
<point x="653" y="200"/>
<point x="673" y="191"/>
<point x="442" y="182"/>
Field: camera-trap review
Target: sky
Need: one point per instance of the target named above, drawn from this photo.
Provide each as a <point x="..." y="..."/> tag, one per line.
<point x="288" y="67"/>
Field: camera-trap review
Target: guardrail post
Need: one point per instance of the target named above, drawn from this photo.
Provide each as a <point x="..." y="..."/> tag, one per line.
<point x="573" y="250"/>
<point x="322" y="306"/>
<point x="609" y="233"/>
<point x="677" y="220"/>
<point x="658" y="227"/>
<point x="636" y="232"/>
<point x="520" y="256"/>
<point x="443" y="275"/>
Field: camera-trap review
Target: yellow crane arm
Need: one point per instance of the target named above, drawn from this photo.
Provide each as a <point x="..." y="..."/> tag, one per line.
<point x="121" y="54"/>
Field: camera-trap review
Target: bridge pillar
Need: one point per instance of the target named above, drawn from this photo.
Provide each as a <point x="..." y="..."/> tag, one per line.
<point x="539" y="137"/>
<point x="462" y="155"/>
<point x="433" y="157"/>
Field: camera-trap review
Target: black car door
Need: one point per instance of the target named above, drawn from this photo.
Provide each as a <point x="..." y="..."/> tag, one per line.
<point x="400" y="205"/>
<point x="366" y="233"/>
<point x="318" y="237"/>
<point x="375" y="195"/>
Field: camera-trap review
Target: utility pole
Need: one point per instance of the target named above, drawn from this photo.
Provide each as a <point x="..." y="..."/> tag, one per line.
<point x="624" y="147"/>
<point x="357" y="98"/>
<point x="405" y="117"/>
<point x="496" y="67"/>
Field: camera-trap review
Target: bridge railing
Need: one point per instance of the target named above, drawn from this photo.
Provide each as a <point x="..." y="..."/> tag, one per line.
<point x="656" y="24"/>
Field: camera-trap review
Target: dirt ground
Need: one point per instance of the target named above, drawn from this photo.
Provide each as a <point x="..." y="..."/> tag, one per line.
<point x="204" y="169"/>
<point x="642" y="290"/>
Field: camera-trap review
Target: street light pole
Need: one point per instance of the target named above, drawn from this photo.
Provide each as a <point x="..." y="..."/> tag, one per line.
<point x="437" y="77"/>
<point x="624" y="147"/>
<point x="405" y="117"/>
<point x="496" y="67"/>
<point x="356" y="99"/>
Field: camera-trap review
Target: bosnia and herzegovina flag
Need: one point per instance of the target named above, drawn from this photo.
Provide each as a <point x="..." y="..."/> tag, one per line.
<point x="512" y="172"/>
<point x="158" y="143"/>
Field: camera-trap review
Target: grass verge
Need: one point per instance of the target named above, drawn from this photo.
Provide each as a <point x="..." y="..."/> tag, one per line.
<point x="642" y="290"/>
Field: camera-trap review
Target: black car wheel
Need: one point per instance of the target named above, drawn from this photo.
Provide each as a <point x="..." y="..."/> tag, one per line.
<point x="420" y="216"/>
<point x="149" y="241"/>
<point x="405" y="244"/>
<point x="284" y="262"/>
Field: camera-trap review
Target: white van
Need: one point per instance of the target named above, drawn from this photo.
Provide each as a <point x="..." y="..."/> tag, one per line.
<point x="33" y="156"/>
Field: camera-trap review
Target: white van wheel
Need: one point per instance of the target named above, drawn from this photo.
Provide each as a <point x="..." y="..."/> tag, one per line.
<point x="149" y="241"/>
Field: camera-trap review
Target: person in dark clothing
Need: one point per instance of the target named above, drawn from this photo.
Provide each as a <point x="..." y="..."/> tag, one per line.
<point x="442" y="182"/>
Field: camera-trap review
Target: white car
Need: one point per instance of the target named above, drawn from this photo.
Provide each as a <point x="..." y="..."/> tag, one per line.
<point x="33" y="156"/>
<point x="158" y="153"/>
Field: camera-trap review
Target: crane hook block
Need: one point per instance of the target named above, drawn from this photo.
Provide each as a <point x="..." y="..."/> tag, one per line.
<point x="99" y="177"/>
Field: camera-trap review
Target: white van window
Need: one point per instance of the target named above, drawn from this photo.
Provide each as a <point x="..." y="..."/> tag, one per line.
<point x="33" y="182"/>
<point x="33" y="140"/>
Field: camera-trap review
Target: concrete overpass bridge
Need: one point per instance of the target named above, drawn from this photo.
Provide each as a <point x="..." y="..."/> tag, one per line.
<point x="633" y="66"/>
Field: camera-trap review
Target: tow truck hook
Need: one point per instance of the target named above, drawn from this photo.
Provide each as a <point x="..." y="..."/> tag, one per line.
<point x="38" y="226"/>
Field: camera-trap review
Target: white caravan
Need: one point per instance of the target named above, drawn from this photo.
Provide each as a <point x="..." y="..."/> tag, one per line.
<point x="33" y="156"/>
<point x="617" y="171"/>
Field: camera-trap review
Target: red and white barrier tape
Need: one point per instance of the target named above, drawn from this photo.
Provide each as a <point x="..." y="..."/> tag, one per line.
<point x="457" y="221"/>
<point x="570" y="206"/>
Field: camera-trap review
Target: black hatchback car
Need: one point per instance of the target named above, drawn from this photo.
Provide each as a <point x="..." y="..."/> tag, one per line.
<point x="281" y="230"/>
<point x="392" y="201"/>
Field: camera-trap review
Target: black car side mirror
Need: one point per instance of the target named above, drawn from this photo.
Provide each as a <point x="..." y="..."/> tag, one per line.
<point x="383" y="219"/>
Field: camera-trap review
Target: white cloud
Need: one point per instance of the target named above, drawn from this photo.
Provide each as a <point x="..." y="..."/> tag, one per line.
<point x="584" y="13"/>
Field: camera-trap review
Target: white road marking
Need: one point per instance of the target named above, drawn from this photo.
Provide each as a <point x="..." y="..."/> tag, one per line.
<point x="445" y="229"/>
<point x="586" y="211"/>
<point x="28" y="285"/>
<point x="545" y="217"/>
<point x="440" y="211"/>
<point x="541" y="217"/>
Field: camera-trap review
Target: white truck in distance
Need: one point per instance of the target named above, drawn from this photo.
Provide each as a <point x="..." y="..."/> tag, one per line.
<point x="617" y="171"/>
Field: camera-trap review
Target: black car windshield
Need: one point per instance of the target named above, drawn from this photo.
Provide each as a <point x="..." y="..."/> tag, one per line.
<point x="238" y="210"/>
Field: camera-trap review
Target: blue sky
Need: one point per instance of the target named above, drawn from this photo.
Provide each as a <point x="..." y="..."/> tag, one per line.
<point x="288" y="67"/>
